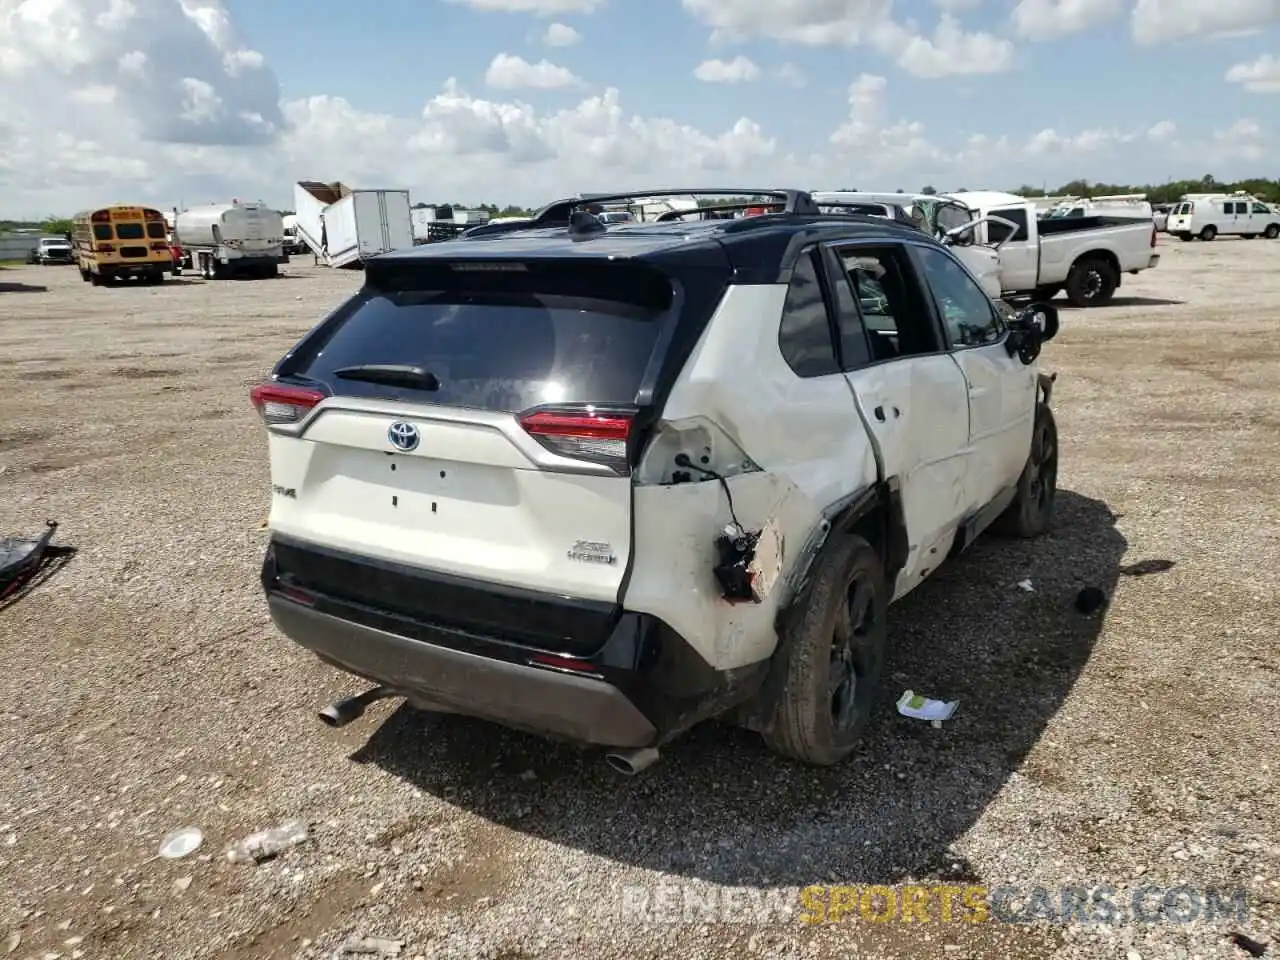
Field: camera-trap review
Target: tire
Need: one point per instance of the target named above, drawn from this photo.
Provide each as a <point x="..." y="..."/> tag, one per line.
<point x="839" y="637"/>
<point x="1272" y="231"/>
<point x="1091" y="282"/>
<point x="1185" y="237"/>
<point x="85" y="275"/>
<point x="1047" y="292"/>
<point x="1210" y="232"/>
<point x="1031" y="512"/>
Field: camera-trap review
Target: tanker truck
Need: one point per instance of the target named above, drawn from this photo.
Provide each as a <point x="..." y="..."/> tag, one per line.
<point x="231" y="239"/>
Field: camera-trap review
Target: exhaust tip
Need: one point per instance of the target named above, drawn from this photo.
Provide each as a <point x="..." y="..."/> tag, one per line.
<point x="340" y="714"/>
<point x="631" y="762"/>
<point x="620" y="764"/>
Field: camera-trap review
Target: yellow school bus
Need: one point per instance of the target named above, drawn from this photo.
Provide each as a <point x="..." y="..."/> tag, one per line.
<point x="117" y="242"/>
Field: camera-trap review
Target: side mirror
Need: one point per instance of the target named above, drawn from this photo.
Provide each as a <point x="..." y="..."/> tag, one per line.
<point x="1030" y="328"/>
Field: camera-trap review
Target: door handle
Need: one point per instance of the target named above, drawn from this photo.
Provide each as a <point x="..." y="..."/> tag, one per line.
<point x="881" y="416"/>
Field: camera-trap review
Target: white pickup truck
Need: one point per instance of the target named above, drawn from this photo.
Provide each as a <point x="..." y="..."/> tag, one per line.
<point x="1085" y="256"/>
<point x="915" y="209"/>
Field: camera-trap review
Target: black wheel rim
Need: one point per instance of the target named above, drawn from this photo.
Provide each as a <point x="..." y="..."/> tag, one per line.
<point x="1044" y="467"/>
<point x="853" y="656"/>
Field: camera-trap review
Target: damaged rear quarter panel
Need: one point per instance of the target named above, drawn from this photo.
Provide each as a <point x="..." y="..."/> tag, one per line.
<point x="812" y="450"/>
<point x="675" y="553"/>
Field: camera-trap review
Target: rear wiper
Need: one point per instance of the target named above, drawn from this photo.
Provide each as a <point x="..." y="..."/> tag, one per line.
<point x="391" y="374"/>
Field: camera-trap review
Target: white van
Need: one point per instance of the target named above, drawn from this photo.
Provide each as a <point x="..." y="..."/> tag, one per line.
<point x="1208" y="217"/>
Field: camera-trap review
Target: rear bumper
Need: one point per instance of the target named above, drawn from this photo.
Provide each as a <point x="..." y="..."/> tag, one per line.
<point x="583" y="709"/>
<point x="546" y="664"/>
<point x="140" y="269"/>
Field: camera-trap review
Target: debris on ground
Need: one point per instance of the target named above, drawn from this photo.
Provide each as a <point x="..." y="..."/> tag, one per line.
<point x="23" y="558"/>
<point x="1249" y="945"/>
<point x="1090" y="600"/>
<point x="13" y="943"/>
<point x="1144" y="567"/>
<point x="181" y="843"/>
<point x="371" y="947"/>
<point x="1026" y="585"/>
<point x="266" y="844"/>
<point x="918" y="707"/>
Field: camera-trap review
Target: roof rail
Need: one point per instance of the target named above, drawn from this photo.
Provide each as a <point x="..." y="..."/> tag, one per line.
<point x="559" y="212"/>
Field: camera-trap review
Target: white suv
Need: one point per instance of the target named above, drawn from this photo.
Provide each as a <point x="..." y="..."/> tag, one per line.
<point x="604" y="483"/>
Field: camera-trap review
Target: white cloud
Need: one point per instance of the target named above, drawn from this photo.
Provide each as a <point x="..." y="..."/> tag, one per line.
<point x="737" y="70"/>
<point x="950" y="52"/>
<point x="1257" y="76"/>
<point x="792" y="76"/>
<point x="851" y="23"/>
<point x="561" y="35"/>
<point x="1162" y="131"/>
<point x="178" y="69"/>
<point x="540" y="8"/>
<point x="866" y="143"/>
<point x="507" y="72"/>
<point x="1048" y="19"/>
<point x="1244" y="140"/>
<point x="1162" y="21"/>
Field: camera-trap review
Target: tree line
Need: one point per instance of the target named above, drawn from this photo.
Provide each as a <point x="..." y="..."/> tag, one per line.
<point x="1260" y="187"/>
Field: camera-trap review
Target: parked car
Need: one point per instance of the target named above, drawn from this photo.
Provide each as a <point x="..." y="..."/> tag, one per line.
<point x="52" y="250"/>
<point x="604" y="484"/>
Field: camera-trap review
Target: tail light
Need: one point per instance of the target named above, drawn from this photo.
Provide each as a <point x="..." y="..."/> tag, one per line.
<point x="105" y="248"/>
<point x="1154" y="233"/>
<point x="160" y="246"/>
<point x="281" y="405"/>
<point x="582" y="434"/>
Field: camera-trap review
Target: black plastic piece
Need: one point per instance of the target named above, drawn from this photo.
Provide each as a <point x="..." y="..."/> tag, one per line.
<point x="21" y="557"/>
<point x="458" y="605"/>
<point x="736" y="549"/>
<point x="585" y="226"/>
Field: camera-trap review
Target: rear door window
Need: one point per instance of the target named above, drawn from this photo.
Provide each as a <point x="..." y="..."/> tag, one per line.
<point x="507" y="341"/>
<point x="998" y="232"/>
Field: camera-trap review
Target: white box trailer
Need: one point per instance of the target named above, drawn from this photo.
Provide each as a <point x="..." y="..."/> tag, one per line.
<point x="344" y="227"/>
<point x="231" y="239"/>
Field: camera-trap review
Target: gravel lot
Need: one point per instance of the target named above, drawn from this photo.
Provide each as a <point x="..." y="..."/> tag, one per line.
<point x="144" y="688"/>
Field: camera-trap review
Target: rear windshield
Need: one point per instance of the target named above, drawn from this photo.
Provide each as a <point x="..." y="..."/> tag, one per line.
<point x="128" y="231"/>
<point x="584" y="334"/>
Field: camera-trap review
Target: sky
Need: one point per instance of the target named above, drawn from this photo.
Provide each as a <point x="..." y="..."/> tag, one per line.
<point x="176" y="102"/>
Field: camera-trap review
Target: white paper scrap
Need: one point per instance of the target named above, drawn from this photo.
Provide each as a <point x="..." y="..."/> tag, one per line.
<point x="923" y="708"/>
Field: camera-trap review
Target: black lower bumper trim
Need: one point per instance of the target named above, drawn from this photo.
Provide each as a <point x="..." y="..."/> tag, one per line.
<point x="584" y="709"/>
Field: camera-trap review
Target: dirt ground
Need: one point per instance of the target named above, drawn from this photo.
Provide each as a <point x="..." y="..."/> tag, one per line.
<point x="143" y="688"/>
